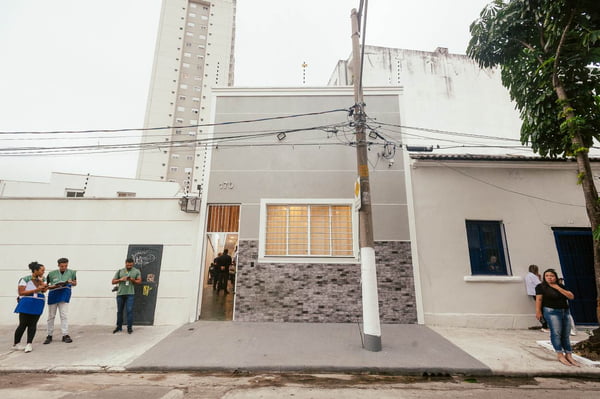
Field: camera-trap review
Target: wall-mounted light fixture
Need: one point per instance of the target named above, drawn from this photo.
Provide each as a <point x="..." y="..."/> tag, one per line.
<point x="281" y="136"/>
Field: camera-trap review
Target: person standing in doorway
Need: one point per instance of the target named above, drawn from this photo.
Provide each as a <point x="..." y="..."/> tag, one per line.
<point x="215" y="272"/>
<point x="126" y="278"/>
<point x="223" y="262"/>
<point x="532" y="279"/>
<point x="30" y="305"/>
<point x="59" y="283"/>
<point x="232" y="274"/>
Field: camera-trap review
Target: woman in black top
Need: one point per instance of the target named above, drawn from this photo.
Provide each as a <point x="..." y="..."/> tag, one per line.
<point x="551" y="303"/>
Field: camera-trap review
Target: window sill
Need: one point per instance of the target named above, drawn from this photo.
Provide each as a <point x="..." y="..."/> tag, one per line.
<point x="346" y="260"/>
<point x="493" y="279"/>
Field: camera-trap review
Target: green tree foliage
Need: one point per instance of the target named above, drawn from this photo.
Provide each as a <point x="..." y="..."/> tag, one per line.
<point x="549" y="55"/>
<point x="537" y="42"/>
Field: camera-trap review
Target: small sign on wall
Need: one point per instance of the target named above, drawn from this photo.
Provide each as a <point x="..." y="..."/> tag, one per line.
<point x="357" y="195"/>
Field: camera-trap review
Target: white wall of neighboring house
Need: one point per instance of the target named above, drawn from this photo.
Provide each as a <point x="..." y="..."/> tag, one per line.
<point x="528" y="197"/>
<point x="95" y="234"/>
<point x="443" y="94"/>
<point x="94" y="187"/>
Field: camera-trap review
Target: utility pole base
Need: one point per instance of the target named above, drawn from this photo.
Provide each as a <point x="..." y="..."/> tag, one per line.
<point x="373" y="343"/>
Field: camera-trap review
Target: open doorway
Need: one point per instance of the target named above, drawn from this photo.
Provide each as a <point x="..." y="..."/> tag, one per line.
<point x="221" y="234"/>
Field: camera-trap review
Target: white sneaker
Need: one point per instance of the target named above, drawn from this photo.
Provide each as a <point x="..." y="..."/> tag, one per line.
<point x="28" y="348"/>
<point x="573" y="332"/>
<point x="18" y="347"/>
<point x="544" y="330"/>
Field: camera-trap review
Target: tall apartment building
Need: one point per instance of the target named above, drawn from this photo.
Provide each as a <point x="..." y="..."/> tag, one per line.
<point x="194" y="52"/>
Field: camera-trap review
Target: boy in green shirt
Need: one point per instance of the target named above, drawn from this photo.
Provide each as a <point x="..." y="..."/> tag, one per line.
<point x="126" y="277"/>
<point x="59" y="283"/>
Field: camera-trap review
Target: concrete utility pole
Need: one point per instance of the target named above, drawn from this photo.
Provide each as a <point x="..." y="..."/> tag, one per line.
<point x="370" y="300"/>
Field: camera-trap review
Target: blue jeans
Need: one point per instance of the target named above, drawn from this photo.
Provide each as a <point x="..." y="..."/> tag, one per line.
<point x="560" y="328"/>
<point x="122" y="302"/>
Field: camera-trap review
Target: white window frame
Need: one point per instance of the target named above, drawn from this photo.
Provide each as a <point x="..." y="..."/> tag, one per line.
<point x="262" y="258"/>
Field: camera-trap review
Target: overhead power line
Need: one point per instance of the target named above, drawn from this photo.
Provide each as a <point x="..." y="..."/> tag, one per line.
<point x="446" y="132"/>
<point x="212" y="141"/>
<point x="178" y="127"/>
<point x="343" y="132"/>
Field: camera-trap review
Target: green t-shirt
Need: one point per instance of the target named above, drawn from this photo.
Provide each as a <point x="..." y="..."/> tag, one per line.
<point x="55" y="276"/>
<point x="126" y="287"/>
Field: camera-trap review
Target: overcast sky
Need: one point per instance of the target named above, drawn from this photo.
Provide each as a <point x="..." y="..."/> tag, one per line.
<point x="86" y="64"/>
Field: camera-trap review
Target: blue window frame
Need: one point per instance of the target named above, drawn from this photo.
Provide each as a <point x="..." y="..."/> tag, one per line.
<point x="487" y="248"/>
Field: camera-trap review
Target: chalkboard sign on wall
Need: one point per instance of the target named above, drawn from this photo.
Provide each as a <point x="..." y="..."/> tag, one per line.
<point x="147" y="259"/>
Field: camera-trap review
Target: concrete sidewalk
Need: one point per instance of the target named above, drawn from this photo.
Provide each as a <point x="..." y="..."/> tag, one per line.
<point x="408" y="349"/>
<point x="294" y="347"/>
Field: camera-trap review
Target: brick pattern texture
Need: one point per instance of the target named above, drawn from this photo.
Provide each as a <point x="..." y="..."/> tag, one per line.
<point x="290" y="292"/>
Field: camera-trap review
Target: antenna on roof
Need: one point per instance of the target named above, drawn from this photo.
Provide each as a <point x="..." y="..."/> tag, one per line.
<point x="304" y="65"/>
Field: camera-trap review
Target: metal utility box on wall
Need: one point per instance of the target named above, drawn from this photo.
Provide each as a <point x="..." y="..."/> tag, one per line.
<point x="190" y="204"/>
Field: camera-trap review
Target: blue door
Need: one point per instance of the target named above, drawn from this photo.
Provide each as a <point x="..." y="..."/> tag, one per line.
<point x="576" y="255"/>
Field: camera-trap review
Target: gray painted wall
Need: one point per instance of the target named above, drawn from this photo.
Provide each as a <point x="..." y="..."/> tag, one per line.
<point x="291" y="169"/>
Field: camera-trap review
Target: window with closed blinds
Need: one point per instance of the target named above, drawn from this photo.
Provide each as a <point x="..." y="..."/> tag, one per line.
<point x="223" y="218"/>
<point x="309" y="230"/>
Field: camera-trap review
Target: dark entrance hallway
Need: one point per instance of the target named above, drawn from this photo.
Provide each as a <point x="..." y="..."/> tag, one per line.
<point x="216" y="306"/>
<point x="222" y="233"/>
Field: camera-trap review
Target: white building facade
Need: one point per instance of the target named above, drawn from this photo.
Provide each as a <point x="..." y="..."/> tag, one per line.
<point x="519" y="210"/>
<point x="72" y="185"/>
<point x="448" y="101"/>
<point x="97" y="235"/>
<point x="279" y="195"/>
